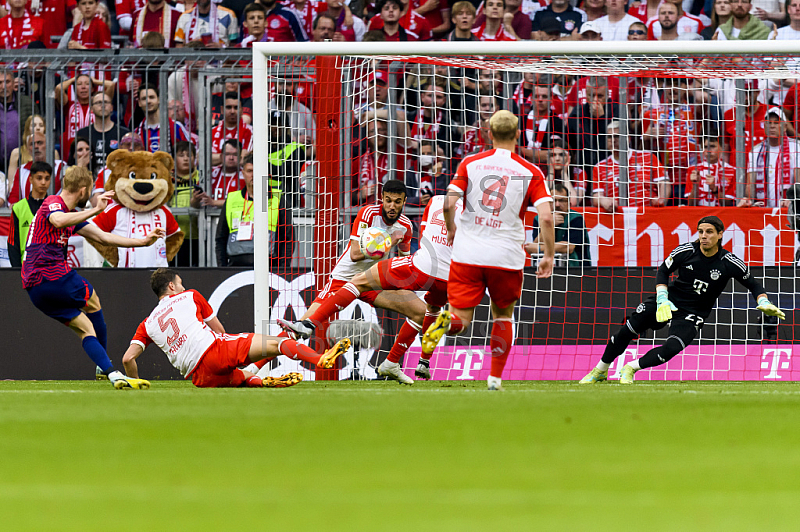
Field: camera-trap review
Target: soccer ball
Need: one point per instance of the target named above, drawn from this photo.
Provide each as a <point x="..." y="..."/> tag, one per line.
<point x="375" y="242"/>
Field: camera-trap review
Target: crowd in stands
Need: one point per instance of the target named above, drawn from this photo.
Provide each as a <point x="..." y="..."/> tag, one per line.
<point x="680" y="135"/>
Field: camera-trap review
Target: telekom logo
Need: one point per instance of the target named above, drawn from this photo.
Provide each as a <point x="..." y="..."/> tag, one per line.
<point x="472" y="360"/>
<point x="775" y="359"/>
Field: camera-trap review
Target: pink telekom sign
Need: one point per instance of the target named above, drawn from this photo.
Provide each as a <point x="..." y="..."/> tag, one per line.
<point x="771" y="363"/>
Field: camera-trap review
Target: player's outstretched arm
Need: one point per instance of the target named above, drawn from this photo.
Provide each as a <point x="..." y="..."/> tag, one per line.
<point x="768" y="308"/>
<point x="547" y="237"/>
<point x="68" y="219"/>
<point x="92" y="232"/>
<point x="746" y="279"/>
<point x="129" y="360"/>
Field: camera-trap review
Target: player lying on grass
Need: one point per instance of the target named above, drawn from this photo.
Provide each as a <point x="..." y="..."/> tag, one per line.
<point x="57" y="290"/>
<point x="388" y="216"/>
<point x="427" y="269"/>
<point x="704" y="269"/>
<point x="186" y="328"/>
<point x="497" y="187"/>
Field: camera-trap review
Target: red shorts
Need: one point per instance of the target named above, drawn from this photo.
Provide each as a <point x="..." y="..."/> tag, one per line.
<point x="219" y="367"/>
<point x="400" y="273"/>
<point x="468" y="283"/>
<point x="335" y="284"/>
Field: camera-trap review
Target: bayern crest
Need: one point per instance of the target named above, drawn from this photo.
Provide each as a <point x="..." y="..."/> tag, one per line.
<point x="715" y="274"/>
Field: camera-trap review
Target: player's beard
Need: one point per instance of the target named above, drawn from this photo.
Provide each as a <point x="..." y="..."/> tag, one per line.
<point x="386" y="218"/>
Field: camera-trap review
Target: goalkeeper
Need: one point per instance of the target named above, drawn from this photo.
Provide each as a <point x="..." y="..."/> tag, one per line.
<point x="704" y="269"/>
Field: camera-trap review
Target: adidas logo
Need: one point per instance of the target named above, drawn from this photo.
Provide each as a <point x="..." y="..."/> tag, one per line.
<point x="497" y="350"/>
<point x="689" y="267"/>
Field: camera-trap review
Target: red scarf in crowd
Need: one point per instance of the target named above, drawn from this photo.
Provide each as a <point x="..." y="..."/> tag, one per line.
<point x="424" y="131"/>
<point x="12" y="41"/>
<point x="783" y="170"/>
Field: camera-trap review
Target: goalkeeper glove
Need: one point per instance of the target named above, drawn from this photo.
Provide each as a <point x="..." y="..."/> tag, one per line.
<point x="769" y="309"/>
<point x="664" y="306"/>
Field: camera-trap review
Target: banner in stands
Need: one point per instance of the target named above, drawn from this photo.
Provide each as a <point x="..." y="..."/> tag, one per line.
<point x="644" y="238"/>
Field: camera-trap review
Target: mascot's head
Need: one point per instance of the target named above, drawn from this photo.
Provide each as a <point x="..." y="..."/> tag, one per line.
<point x="142" y="180"/>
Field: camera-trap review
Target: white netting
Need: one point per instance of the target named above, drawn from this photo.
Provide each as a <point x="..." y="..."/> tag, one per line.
<point x="645" y="145"/>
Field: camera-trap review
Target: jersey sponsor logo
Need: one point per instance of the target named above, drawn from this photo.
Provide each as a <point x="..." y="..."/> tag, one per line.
<point x="471" y="360"/>
<point x="776" y="359"/>
<point x="715" y="274"/>
<point x="55" y="207"/>
<point x="699" y="286"/>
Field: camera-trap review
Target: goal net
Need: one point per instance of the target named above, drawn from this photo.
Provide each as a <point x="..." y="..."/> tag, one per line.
<point x="636" y="148"/>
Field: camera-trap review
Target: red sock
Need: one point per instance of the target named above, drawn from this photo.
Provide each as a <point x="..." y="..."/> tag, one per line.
<point x="426" y="323"/>
<point x="333" y="304"/>
<point x="500" y="345"/>
<point x="253" y="382"/>
<point x="405" y="337"/>
<point x="263" y="362"/>
<point x="291" y="349"/>
<point x="456" y="325"/>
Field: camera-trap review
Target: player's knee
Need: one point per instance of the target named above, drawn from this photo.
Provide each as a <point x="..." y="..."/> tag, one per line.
<point x="672" y="347"/>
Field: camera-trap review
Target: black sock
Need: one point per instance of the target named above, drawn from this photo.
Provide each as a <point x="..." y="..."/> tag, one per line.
<point x="618" y="343"/>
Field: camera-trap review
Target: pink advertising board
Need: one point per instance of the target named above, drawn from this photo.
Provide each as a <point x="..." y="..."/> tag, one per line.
<point x="753" y="362"/>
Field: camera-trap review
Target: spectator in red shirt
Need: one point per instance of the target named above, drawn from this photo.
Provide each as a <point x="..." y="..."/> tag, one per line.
<point x="54" y="15"/>
<point x="712" y="183"/>
<point x="125" y="10"/>
<point x="18" y="29"/>
<point x="92" y="33"/>
<point x="157" y="16"/>
<point x="389" y="12"/>
<point x="754" y="117"/>
<point x="231" y="127"/>
<point x="414" y="25"/>
<point x="497" y="24"/>
<point x="348" y="26"/>
<point x="437" y="13"/>
<point x="519" y="20"/>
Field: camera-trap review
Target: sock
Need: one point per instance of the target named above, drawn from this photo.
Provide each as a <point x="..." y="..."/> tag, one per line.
<point x="603" y="366"/>
<point x="99" y="324"/>
<point x="405" y="337"/>
<point x="500" y="344"/>
<point x="263" y="362"/>
<point x="634" y="364"/>
<point x="291" y="349"/>
<point x="426" y="323"/>
<point x="98" y="355"/>
<point x="456" y="325"/>
<point x="253" y="382"/>
<point x="618" y="343"/>
<point x="338" y="301"/>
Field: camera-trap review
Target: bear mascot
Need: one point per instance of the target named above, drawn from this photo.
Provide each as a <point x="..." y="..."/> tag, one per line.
<point x="142" y="182"/>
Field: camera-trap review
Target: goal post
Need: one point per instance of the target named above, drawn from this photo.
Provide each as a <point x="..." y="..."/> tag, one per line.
<point x="672" y="99"/>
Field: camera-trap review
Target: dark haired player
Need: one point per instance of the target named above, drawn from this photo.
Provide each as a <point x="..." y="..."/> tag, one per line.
<point x="388" y="215"/>
<point x="704" y="269"/>
<point x="59" y="291"/>
<point x="185" y="327"/>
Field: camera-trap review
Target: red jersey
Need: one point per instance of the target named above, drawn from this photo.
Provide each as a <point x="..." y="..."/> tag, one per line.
<point x="724" y="178"/>
<point x="644" y="171"/>
<point x="220" y="133"/>
<point x="308" y="13"/>
<point x="688" y="23"/>
<point x="498" y="186"/>
<point x="126" y="9"/>
<point x="284" y="25"/>
<point x="501" y="35"/>
<point x="434" y="17"/>
<point x="223" y="184"/>
<point x="96" y="36"/>
<point x="163" y="21"/>
<point x="16" y="33"/>
<point x="412" y="22"/>
<point x="45" y="257"/>
<point x="754" y="132"/>
<point x="54" y="14"/>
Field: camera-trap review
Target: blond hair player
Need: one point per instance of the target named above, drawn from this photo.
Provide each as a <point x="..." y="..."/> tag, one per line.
<point x="497" y="187"/>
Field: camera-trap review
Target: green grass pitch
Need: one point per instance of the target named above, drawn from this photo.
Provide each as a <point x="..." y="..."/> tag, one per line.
<point x="375" y="456"/>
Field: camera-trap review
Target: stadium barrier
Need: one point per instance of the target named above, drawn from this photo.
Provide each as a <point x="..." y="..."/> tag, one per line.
<point x="580" y="315"/>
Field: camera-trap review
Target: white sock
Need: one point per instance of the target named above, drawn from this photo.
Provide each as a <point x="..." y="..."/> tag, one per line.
<point x="602" y="366"/>
<point x="115" y="375"/>
<point x="634" y="364"/>
<point x="494" y="380"/>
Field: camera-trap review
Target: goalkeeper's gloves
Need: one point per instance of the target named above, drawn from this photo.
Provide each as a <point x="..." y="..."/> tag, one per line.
<point x="769" y="309"/>
<point x="664" y="306"/>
